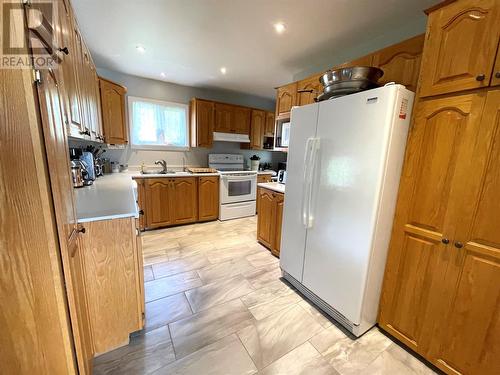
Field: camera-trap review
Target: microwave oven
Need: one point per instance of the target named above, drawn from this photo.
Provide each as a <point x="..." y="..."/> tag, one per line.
<point x="282" y="139"/>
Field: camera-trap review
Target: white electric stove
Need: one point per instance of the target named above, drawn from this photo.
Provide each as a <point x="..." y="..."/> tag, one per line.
<point x="238" y="187"/>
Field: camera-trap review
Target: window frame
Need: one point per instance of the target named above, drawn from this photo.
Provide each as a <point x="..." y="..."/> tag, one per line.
<point x="131" y="99"/>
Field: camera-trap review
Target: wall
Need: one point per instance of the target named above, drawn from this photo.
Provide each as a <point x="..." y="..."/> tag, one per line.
<point x="160" y="90"/>
<point x="338" y="56"/>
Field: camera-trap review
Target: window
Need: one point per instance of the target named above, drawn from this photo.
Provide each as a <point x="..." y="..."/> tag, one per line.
<point x="158" y="125"/>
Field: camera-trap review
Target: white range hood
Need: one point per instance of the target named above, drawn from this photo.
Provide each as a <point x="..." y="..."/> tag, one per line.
<point x="231" y="137"/>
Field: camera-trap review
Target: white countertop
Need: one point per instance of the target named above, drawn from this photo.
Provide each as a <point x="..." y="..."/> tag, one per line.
<point x="274" y="186"/>
<point x="110" y="197"/>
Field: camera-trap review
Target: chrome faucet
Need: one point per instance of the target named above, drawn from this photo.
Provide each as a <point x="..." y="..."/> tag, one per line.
<point x="163" y="163"/>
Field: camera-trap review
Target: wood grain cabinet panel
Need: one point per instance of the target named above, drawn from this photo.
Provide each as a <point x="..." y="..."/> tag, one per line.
<point x="426" y="217"/>
<point x="111" y="277"/>
<point x="208" y="198"/>
<point x="269" y="130"/>
<point x="257" y="129"/>
<point x="266" y="217"/>
<point x="468" y="340"/>
<point x="202" y="123"/>
<point x="308" y="89"/>
<point x="286" y="98"/>
<point x="242" y="118"/>
<point x="401" y="62"/>
<point x="462" y="40"/>
<point x="495" y="77"/>
<point x="113" y="112"/>
<point x="269" y="221"/>
<point x="184" y="200"/>
<point x="279" y="202"/>
<point x="224" y="114"/>
<point x="158" y="202"/>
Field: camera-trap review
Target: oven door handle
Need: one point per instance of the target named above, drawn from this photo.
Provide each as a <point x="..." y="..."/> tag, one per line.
<point x="239" y="178"/>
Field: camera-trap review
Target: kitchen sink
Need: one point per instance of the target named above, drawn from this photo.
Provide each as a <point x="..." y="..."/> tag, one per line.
<point x="180" y="173"/>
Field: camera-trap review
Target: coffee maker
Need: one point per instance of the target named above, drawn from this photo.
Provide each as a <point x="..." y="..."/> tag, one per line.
<point x="82" y="167"/>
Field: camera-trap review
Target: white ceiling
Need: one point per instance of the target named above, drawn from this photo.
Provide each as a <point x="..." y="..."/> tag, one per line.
<point x="189" y="40"/>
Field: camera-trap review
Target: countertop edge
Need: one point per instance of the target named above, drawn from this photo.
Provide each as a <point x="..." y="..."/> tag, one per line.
<point x="273" y="186"/>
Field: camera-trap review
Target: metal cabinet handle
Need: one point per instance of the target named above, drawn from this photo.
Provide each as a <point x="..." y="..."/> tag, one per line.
<point x="480" y="77"/>
<point x="64" y="50"/>
<point x="445" y="241"/>
<point x="459" y="245"/>
<point x="141" y="212"/>
<point x="81" y="229"/>
<point x="497" y="75"/>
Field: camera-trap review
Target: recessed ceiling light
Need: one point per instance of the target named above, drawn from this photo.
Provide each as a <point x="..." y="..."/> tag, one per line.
<point x="140" y="49"/>
<point x="163" y="75"/>
<point x="223" y="70"/>
<point x="279" y="27"/>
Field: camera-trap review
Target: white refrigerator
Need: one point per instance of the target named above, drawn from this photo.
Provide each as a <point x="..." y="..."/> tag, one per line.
<point x="344" y="164"/>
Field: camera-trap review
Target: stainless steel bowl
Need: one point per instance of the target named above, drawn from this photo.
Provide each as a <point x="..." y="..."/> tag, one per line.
<point x="355" y="73"/>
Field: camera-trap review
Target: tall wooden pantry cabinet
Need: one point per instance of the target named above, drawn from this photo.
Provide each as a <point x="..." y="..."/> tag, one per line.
<point x="441" y="294"/>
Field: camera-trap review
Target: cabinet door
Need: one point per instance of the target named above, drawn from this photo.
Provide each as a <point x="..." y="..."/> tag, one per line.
<point x="69" y="70"/>
<point x="361" y="61"/>
<point x="184" y="200"/>
<point x="202" y="123"/>
<point x="279" y="201"/>
<point x="468" y="336"/>
<point x="242" y="120"/>
<point x="80" y="76"/>
<point x="266" y="217"/>
<point x="401" y="62"/>
<point x="286" y="98"/>
<point x="257" y="129"/>
<point x="158" y="206"/>
<point x="308" y="90"/>
<point x="269" y="130"/>
<point x="459" y="54"/>
<point x="208" y="198"/>
<point x="223" y="118"/>
<point x="495" y="77"/>
<point x="79" y="309"/>
<point x="141" y="202"/>
<point x="113" y="112"/>
<point x="62" y="194"/>
<point x="141" y="299"/>
<point x="425" y="222"/>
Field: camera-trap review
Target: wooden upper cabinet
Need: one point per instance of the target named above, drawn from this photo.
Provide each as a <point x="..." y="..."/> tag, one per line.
<point x="308" y="89"/>
<point x="495" y="77"/>
<point x="286" y="98"/>
<point x="113" y="112"/>
<point x="257" y="129"/>
<point x="208" y="198"/>
<point x="242" y="120"/>
<point x="202" y="123"/>
<point x="361" y="61"/>
<point x="158" y="202"/>
<point x="184" y="200"/>
<point x="224" y="118"/>
<point x="462" y="40"/>
<point x="468" y="337"/>
<point x="401" y="62"/>
<point x="441" y="142"/>
<point x="269" y="130"/>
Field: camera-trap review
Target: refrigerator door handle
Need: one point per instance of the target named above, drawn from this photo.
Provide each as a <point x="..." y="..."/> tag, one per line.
<point x="312" y="169"/>
<point x="305" y="194"/>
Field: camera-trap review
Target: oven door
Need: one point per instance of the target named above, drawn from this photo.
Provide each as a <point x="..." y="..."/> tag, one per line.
<point x="238" y="188"/>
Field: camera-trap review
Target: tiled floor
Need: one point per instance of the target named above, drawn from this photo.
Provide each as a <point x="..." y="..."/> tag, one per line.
<point x="215" y="304"/>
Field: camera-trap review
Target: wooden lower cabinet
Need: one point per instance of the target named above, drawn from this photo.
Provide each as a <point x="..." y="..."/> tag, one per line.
<point x="166" y="201"/>
<point x="158" y="205"/>
<point x="441" y="294"/>
<point x="111" y="262"/>
<point x="184" y="200"/>
<point x="270" y="219"/>
<point x="208" y="198"/>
